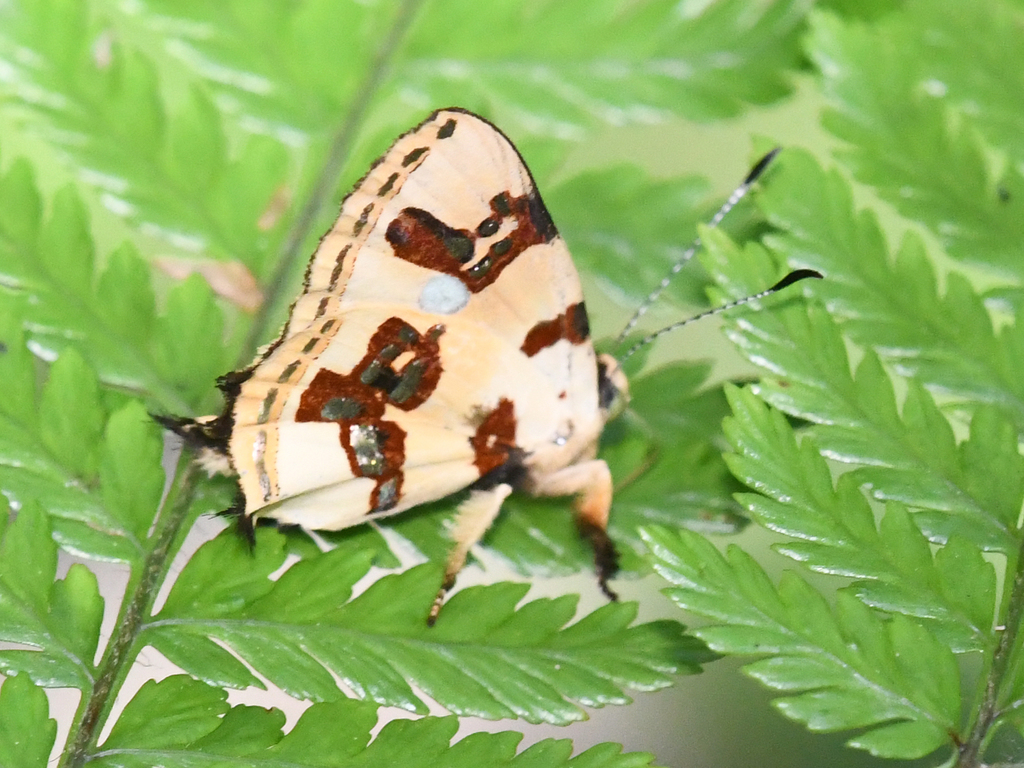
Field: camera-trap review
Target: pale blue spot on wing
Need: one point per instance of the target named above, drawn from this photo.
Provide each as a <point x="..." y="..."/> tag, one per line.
<point x="444" y="295"/>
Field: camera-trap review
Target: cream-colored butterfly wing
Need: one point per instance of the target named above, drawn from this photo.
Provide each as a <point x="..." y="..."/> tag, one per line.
<point x="441" y="334"/>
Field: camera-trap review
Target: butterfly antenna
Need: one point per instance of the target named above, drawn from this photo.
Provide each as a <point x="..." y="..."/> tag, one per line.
<point x="793" y="277"/>
<point x="738" y="194"/>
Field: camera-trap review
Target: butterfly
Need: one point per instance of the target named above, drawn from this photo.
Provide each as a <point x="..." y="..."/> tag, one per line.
<point x="440" y="345"/>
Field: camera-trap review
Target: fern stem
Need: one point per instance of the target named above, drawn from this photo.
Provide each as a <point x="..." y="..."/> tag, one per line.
<point x="327" y="178"/>
<point x="988" y="712"/>
<point x="114" y="666"/>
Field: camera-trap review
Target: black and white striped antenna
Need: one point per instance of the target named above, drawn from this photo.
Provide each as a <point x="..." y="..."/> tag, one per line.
<point x="793" y="277"/>
<point x="738" y="194"/>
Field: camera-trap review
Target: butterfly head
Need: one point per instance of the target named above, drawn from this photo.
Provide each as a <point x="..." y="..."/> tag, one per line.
<point x="612" y="387"/>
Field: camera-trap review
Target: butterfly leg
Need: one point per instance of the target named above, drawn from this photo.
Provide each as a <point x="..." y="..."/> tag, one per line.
<point x="472" y="520"/>
<point x="591" y="483"/>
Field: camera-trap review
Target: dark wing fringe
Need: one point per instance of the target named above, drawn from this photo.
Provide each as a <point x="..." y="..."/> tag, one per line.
<point x="213" y="434"/>
<point x="243" y="522"/>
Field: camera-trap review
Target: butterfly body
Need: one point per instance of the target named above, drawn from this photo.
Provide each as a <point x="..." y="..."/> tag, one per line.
<point x="440" y="343"/>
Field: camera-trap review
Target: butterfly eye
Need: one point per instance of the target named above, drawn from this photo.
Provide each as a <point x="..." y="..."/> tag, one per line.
<point x="612" y="387"/>
<point x="488" y="227"/>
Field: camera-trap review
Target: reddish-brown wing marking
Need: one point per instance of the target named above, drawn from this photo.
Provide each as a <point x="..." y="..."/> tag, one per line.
<point x="440" y="343"/>
<point x="572" y="325"/>
<point x="494" y="441"/>
<point x="357" y="402"/>
<point x="418" y="237"/>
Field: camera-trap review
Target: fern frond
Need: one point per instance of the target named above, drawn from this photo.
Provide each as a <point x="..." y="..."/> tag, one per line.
<point x="182" y="721"/>
<point x="56" y="446"/>
<point x="108" y="315"/>
<point x="302" y="631"/>
<point x="57" y="621"/>
<point x="839" y="668"/>
<point x="234" y="157"/>
<point x="616" y="62"/>
<point x="626" y="229"/>
<point x="922" y="563"/>
<point x="168" y="170"/>
<point x="26" y="731"/>
<point x="974" y="85"/>
<point x="917" y="142"/>
<point x="892" y="303"/>
<point x="910" y="457"/>
<point x="835" y="531"/>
